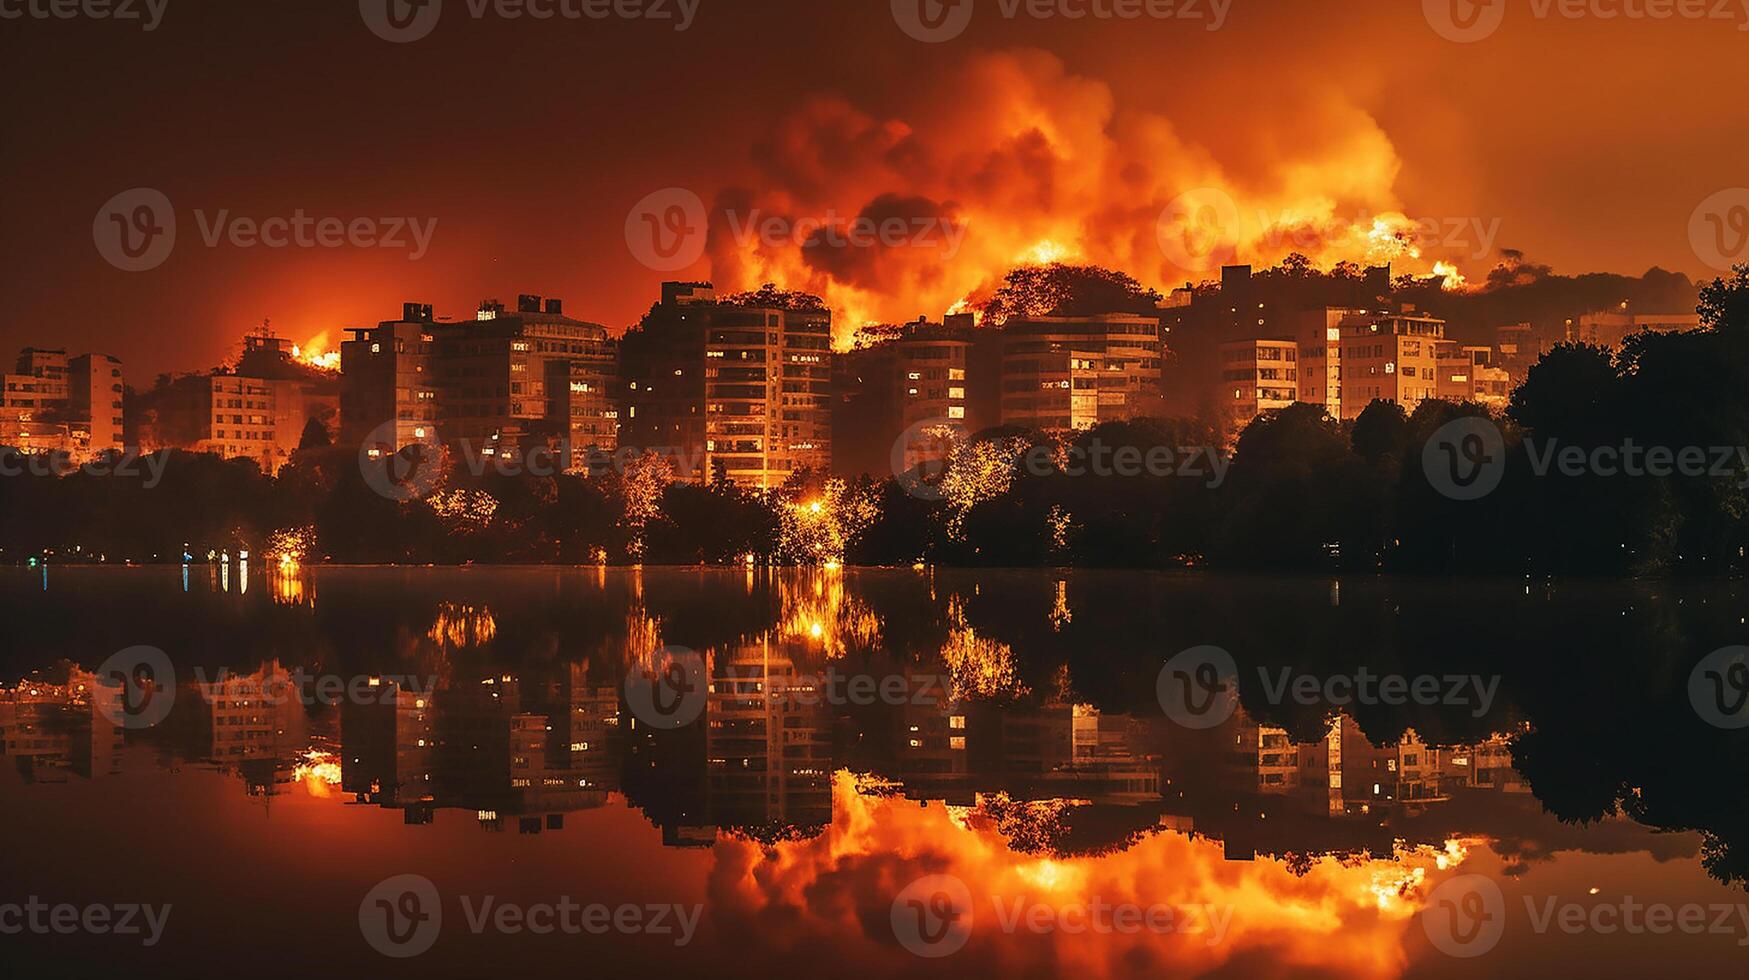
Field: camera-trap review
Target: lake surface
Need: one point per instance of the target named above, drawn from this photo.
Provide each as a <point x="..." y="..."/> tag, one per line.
<point x="753" y="772"/>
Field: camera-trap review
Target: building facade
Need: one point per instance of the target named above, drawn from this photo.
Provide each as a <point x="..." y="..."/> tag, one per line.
<point x="61" y="404"/>
<point x="1116" y="355"/>
<point x="1257" y="376"/>
<point x="728" y="391"/>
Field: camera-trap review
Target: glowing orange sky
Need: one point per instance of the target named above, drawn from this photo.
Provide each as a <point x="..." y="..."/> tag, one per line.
<point x="1590" y="142"/>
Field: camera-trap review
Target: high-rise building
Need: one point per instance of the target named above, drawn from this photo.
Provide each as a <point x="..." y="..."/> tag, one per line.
<point x="727" y="390"/>
<point x="386" y="376"/>
<point x="514" y="380"/>
<point x="906" y="385"/>
<point x="1039" y="354"/>
<point x="1257" y="376"/>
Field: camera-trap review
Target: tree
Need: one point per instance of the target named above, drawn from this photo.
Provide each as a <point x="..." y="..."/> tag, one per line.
<point x="1067" y="290"/>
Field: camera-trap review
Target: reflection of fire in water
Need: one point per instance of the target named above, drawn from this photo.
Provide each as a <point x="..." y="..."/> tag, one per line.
<point x="319" y="772"/>
<point x="1263" y="917"/>
<point x="460" y="625"/>
<point x="818" y="612"/>
<point x="978" y="667"/>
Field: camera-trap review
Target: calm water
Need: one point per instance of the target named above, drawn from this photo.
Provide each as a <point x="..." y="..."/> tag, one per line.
<point x="866" y="773"/>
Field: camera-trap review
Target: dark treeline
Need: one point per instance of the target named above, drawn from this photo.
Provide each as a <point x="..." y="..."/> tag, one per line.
<point x="1301" y="492"/>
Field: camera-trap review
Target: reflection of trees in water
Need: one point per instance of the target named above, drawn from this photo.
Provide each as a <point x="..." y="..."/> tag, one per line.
<point x="1598" y="672"/>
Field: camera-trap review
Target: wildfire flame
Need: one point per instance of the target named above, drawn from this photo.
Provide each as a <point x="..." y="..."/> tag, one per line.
<point x="315" y="353"/>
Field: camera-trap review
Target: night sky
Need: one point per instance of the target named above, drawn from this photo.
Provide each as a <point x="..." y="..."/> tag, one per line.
<point x="1586" y="143"/>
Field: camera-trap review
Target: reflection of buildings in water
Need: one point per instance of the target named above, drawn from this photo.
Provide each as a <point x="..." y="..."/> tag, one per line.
<point x="234" y="718"/>
<point x="504" y="748"/>
<point x="766" y="749"/>
<point x="1336" y="794"/>
<point x="49" y="730"/>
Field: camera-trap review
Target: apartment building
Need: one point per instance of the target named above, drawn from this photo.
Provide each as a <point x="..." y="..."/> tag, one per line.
<point x="59" y="403"/>
<point x="513" y="380"/>
<point x="1257" y="376"/>
<point x="906" y="384"/>
<point x="387" y="377"/>
<point x="1041" y="354"/>
<point x="729" y="391"/>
